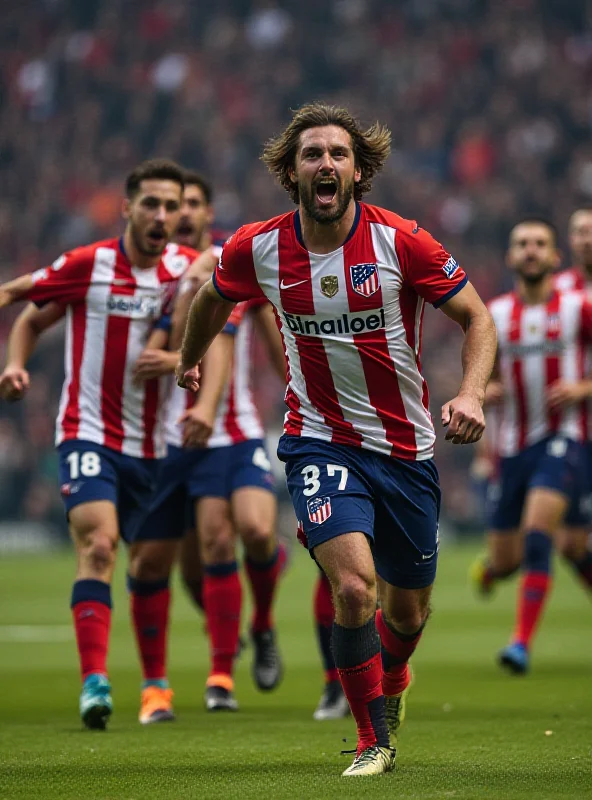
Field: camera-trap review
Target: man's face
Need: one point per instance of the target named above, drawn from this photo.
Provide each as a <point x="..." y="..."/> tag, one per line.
<point x="325" y="172"/>
<point x="153" y="215"/>
<point x="196" y="217"/>
<point x="532" y="252"/>
<point x="580" y="238"/>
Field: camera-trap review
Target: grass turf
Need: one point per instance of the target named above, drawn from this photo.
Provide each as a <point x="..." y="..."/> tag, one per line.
<point x="472" y="731"/>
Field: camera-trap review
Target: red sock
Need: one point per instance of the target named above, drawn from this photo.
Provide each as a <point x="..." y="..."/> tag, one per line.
<point x="91" y="612"/>
<point x="195" y="590"/>
<point x="324" y="614"/>
<point x="357" y="655"/>
<point x="150" y="617"/>
<point x="223" y="600"/>
<point x="533" y="591"/>
<point x="263" y="579"/>
<point x="362" y="685"/>
<point x="396" y="652"/>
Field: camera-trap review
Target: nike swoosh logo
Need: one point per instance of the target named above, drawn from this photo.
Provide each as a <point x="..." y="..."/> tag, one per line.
<point x="291" y="285"/>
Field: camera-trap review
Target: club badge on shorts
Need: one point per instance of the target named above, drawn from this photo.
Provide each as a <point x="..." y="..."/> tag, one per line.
<point x="319" y="509"/>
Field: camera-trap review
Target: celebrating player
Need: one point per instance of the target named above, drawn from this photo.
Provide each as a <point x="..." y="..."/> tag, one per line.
<point x="544" y="338"/>
<point x="348" y="282"/>
<point x="109" y="435"/>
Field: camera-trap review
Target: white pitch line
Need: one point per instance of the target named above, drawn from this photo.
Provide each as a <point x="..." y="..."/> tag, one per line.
<point x="36" y="633"/>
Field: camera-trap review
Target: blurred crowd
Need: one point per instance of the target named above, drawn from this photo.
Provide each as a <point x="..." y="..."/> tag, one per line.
<point x="490" y="105"/>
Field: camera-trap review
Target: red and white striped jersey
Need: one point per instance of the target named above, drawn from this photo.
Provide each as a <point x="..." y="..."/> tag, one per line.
<point x="237" y="419"/>
<point x="351" y="321"/>
<point x="538" y="345"/>
<point x="570" y="280"/>
<point x="111" y="308"/>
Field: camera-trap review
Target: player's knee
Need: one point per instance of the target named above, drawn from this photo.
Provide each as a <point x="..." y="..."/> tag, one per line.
<point x="150" y="566"/>
<point x="217" y="544"/>
<point x="355" y="592"/>
<point x="572" y="549"/>
<point x="257" y="535"/>
<point x="408" y="621"/>
<point x="98" y="550"/>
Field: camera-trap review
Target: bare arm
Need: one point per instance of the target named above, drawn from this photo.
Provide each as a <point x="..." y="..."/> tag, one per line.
<point x="14" y="290"/>
<point x="22" y="340"/>
<point x="267" y="327"/>
<point x="207" y="316"/>
<point x="199" y="420"/>
<point x="463" y="416"/>
<point x="196" y="276"/>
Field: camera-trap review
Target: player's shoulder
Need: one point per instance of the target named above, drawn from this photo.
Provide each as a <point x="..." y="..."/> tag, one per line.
<point x="382" y="216"/>
<point x="568" y="279"/>
<point x="87" y="253"/>
<point x="246" y="233"/>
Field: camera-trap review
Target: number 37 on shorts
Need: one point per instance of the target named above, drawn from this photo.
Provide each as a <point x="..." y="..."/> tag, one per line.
<point x="317" y="479"/>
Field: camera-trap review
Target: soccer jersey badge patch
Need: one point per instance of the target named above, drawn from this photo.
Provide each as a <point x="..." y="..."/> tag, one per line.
<point x="329" y="285"/>
<point x="365" y="279"/>
<point x="319" y="509"/>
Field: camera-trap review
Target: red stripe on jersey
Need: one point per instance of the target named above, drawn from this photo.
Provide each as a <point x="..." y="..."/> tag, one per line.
<point x="71" y="418"/>
<point x="112" y="380"/>
<point x="379" y="369"/>
<point x="517" y="375"/>
<point x="552" y="360"/>
<point x="292" y="270"/>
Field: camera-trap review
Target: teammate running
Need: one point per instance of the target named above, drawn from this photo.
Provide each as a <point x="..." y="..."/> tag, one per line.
<point x="544" y="338"/>
<point x="348" y="282"/>
<point x="108" y="434"/>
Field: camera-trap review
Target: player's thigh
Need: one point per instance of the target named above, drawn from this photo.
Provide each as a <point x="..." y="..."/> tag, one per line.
<point x="254" y="512"/>
<point x="556" y="484"/>
<point x="405" y="609"/>
<point x="215" y="530"/>
<point x="89" y="486"/>
<point x="330" y="492"/>
<point x="505" y="548"/>
<point x="406" y="525"/>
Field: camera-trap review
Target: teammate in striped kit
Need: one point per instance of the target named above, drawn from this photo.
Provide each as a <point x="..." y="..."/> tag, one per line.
<point x="348" y="282"/>
<point x="109" y="434"/>
<point x="578" y="277"/>
<point x="544" y="347"/>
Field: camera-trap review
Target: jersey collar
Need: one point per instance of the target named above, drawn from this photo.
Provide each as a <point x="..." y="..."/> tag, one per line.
<point x="298" y="226"/>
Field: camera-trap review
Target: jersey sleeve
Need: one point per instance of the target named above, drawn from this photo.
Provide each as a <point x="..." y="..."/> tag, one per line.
<point x="587" y="321"/>
<point x="234" y="277"/>
<point x="65" y="282"/>
<point x="428" y="267"/>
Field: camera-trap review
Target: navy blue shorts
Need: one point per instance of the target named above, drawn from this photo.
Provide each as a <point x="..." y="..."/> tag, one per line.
<point x="188" y="474"/>
<point x="89" y="472"/>
<point x="553" y="463"/>
<point x="337" y="489"/>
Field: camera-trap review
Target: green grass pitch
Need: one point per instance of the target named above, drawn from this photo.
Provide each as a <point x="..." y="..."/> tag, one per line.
<point x="471" y="731"/>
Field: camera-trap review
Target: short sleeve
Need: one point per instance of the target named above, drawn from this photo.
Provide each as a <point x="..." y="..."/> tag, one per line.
<point x="234" y="277"/>
<point x="428" y="267"/>
<point x="65" y="282"/>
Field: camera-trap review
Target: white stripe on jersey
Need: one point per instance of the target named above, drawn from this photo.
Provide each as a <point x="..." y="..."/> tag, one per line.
<point x="402" y="354"/>
<point x="91" y="425"/>
<point x="266" y="260"/>
<point x="65" y="394"/>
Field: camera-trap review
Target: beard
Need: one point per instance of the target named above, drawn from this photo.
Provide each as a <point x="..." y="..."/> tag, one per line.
<point x="536" y="278"/>
<point x="326" y="216"/>
<point x="144" y="245"/>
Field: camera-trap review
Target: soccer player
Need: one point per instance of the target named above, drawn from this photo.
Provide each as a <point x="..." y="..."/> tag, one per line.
<point x="544" y="338"/>
<point x="348" y="282"/>
<point x="108" y="434"/>
<point x="579" y="276"/>
<point x="237" y="501"/>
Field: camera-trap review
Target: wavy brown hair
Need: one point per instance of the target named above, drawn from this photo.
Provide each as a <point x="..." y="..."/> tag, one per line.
<point x="371" y="147"/>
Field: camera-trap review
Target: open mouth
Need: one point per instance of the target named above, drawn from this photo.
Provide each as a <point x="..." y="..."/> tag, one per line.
<point x="185" y="229"/>
<point x="156" y="237"/>
<point x="326" y="191"/>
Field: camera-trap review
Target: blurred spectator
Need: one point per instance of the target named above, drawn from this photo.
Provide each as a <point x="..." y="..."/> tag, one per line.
<point x="490" y="104"/>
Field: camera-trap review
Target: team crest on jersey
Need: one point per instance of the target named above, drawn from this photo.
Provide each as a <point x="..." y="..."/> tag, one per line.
<point x="329" y="285"/>
<point x="319" y="509"/>
<point x="365" y="279"/>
